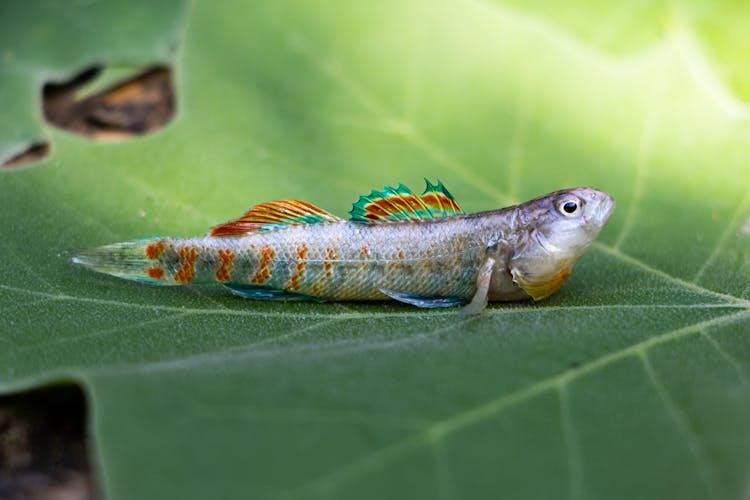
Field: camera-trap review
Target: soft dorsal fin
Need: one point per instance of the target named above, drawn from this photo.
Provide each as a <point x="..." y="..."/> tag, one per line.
<point x="400" y="203"/>
<point x="273" y="215"/>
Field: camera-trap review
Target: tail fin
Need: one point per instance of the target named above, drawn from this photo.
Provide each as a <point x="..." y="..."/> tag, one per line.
<point x="128" y="260"/>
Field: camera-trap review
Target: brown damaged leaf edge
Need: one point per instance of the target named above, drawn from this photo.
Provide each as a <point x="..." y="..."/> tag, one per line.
<point x="137" y="106"/>
<point x="34" y="153"/>
<point x="44" y="447"/>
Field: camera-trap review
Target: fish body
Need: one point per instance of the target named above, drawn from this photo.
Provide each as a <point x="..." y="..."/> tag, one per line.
<point x="422" y="250"/>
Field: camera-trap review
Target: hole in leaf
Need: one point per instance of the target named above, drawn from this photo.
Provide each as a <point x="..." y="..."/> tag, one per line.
<point x="35" y="152"/>
<point x="125" y="107"/>
<point x="44" y="449"/>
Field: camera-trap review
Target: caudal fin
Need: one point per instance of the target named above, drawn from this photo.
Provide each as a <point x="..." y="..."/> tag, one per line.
<point x="128" y="260"/>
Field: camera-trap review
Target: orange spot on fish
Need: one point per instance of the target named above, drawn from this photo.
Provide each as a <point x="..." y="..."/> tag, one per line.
<point x="328" y="262"/>
<point x="267" y="255"/>
<point x="302" y="251"/>
<point x="364" y="252"/>
<point x="224" y="273"/>
<point x="156" y="273"/>
<point x="400" y="254"/>
<point x="186" y="273"/>
<point x="294" y="282"/>
<point x="154" y="250"/>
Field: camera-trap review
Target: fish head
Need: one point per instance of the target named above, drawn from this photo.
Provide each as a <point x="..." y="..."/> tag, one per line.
<point x="557" y="230"/>
<point x="566" y="223"/>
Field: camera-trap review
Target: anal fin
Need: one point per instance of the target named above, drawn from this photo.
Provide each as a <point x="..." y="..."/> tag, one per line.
<point x="257" y="292"/>
<point x="424" y="301"/>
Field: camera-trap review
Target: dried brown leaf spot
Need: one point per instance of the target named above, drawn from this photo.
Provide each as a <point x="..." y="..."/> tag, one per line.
<point x="137" y="106"/>
<point x="44" y="450"/>
<point x="35" y="152"/>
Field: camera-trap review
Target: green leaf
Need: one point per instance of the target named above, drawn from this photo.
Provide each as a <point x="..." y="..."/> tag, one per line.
<point x="631" y="382"/>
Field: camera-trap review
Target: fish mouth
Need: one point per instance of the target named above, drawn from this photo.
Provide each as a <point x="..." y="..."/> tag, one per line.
<point x="606" y="208"/>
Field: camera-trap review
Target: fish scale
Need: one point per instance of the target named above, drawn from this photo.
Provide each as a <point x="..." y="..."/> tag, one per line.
<point x="398" y="255"/>
<point x="422" y="250"/>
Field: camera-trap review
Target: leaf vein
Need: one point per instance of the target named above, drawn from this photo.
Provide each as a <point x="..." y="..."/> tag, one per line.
<point x="570" y="437"/>
<point x="642" y="162"/>
<point x="728" y="358"/>
<point x="682" y="423"/>
<point x="734" y="221"/>
<point x="408" y="131"/>
<point x="633" y="261"/>
<point x="450" y="425"/>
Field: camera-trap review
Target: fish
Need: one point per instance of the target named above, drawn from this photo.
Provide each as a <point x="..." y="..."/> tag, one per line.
<point x="422" y="250"/>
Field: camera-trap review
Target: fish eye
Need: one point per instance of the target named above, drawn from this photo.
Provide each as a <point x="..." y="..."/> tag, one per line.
<point x="568" y="207"/>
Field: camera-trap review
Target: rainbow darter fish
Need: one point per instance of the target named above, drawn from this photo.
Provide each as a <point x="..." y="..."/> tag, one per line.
<point x="419" y="249"/>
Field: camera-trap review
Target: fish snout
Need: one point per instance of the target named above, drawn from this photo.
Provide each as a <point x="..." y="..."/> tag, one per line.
<point x="606" y="207"/>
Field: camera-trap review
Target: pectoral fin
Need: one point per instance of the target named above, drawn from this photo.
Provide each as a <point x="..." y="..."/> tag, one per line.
<point x="479" y="301"/>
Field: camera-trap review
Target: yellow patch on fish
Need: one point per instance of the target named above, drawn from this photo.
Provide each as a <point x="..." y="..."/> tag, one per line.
<point x="542" y="287"/>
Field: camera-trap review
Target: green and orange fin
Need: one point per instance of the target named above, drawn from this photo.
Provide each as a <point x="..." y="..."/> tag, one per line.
<point x="273" y="215"/>
<point x="401" y="203"/>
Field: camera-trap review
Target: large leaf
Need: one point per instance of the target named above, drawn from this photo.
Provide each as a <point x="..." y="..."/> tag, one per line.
<point x="631" y="382"/>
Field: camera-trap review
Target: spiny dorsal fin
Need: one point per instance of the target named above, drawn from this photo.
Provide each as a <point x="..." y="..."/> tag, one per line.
<point x="273" y="215"/>
<point x="400" y="203"/>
